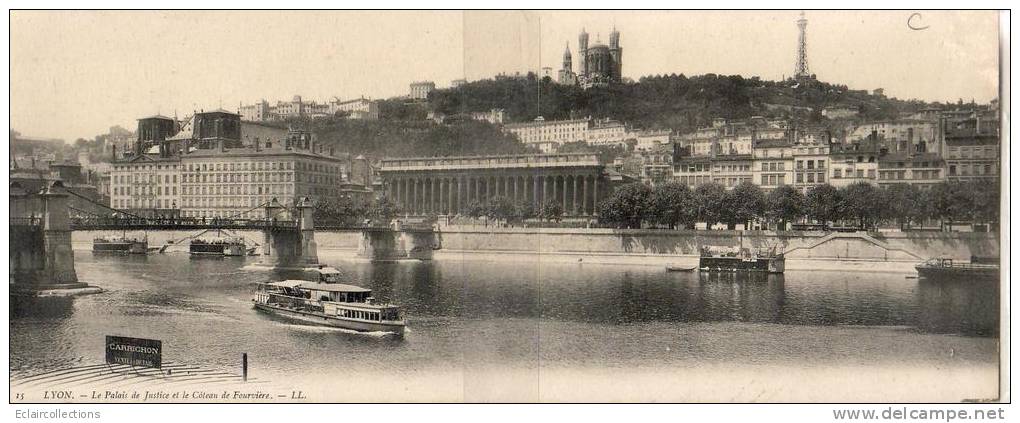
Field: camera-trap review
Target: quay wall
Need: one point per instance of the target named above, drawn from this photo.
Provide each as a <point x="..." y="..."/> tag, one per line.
<point x="870" y="246"/>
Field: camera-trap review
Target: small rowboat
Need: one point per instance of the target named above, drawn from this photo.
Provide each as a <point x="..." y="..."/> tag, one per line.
<point x="679" y="268"/>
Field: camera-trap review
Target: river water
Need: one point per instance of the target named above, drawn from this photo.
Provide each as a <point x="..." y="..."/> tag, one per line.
<point x="529" y="330"/>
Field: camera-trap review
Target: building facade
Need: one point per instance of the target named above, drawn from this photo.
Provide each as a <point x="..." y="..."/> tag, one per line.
<point x="921" y="169"/>
<point x="553" y="131"/>
<point x="450" y="185"/>
<point x="359" y="108"/>
<point x="263" y="111"/>
<point x="236" y="183"/>
<point x="419" y="90"/>
<point x="216" y="166"/>
<point x="606" y="132"/>
<point x="651" y="140"/>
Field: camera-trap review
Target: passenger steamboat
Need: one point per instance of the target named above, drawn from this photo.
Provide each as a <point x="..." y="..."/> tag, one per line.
<point x="328" y="304"/>
<point x="721" y="259"/>
<point x="120" y="245"/>
<point x="219" y="246"/>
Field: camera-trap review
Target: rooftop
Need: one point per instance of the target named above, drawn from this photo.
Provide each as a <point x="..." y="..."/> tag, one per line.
<point x="316" y="286"/>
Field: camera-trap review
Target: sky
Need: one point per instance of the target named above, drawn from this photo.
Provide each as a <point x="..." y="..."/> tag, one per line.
<point x="75" y="74"/>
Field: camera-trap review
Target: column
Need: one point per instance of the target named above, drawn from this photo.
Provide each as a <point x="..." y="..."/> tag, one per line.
<point x="413" y="196"/>
<point x="424" y="196"/>
<point x="545" y="189"/>
<point x="460" y="194"/>
<point x="534" y="190"/>
<point x="515" y="189"/>
<point x="449" y="196"/>
<point x="553" y="191"/>
<point x="433" y="195"/>
<point x="574" y="206"/>
<point x="565" y="209"/>
<point x="478" y="190"/>
<point x="595" y="194"/>
<point x="584" y="193"/>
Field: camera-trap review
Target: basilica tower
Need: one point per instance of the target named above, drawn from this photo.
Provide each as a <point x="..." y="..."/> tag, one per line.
<point x="616" y="53"/>
<point x="582" y="51"/>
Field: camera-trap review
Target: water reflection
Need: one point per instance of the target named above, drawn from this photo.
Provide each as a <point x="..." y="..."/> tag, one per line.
<point x="958" y="306"/>
<point x="40" y="307"/>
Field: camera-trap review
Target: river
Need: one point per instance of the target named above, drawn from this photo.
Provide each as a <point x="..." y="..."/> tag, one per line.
<point x="529" y="330"/>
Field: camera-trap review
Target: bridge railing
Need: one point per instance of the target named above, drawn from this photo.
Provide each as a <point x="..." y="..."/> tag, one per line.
<point x="26" y="221"/>
<point x="178" y="222"/>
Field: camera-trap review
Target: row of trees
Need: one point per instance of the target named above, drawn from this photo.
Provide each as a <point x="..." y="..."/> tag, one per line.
<point x="346" y="211"/>
<point x="861" y="205"/>
<point x="506" y="209"/>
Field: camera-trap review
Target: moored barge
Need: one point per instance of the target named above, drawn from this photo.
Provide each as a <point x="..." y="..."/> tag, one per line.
<point x="945" y="268"/>
<point x="222" y="246"/>
<point x="716" y="259"/>
<point x="120" y="245"/>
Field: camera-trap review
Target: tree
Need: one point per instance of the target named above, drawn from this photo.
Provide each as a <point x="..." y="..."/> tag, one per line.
<point x="383" y="209"/>
<point x="628" y="206"/>
<point x="743" y="203"/>
<point x="551" y="210"/>
<point x="985" y="201"/>
<point x="500" y="208"/>
<point x="785" y="204"/>
<point x="862" y="202"/>
<point x="526" y="210"/>
<point x="823" y="203"/>
<point x="338" y="211"/>
<point x="950" y="202"/>
<point x="709" y="200"/>
<point x="673" y="204"/>
<point x="476" y="209"/>
<point x="905" y="204"/>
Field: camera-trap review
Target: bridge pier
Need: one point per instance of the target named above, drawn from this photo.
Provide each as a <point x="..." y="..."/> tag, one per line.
<point x="289" y="247"/>
<point x="40" y="252"/>
<point x="387" y="244"/>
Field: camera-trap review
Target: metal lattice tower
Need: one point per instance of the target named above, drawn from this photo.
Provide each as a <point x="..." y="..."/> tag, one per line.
<point x="802" y="65"/>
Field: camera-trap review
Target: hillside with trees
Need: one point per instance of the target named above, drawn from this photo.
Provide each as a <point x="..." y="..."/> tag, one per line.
<point x="665" y="101"/>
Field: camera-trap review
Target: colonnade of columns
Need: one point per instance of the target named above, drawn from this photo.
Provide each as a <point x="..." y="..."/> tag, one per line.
<point x="578" y="193"/>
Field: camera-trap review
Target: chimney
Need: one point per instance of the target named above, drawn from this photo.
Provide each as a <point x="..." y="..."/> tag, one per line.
<point x="114" y="152"/>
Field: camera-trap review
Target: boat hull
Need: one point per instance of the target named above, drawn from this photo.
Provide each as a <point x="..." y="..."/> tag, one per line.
<point x="226" y="250"/>
<point x="737" y="264"/>
<point x="120" y="247"/>
<point x="321" y="319"/>
<point x="958" y="273"/>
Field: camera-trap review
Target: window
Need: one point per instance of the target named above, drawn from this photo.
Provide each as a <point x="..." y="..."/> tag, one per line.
<point x="871" y="173"/>
<point x="800" y="178"/>
<point x="821" y="177"/>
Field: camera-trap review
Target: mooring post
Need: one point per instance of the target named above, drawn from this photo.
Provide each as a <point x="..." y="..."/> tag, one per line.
<point x="244" y="367"/>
